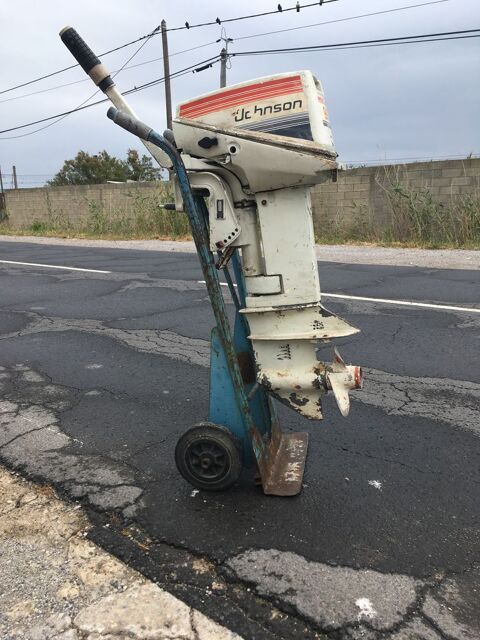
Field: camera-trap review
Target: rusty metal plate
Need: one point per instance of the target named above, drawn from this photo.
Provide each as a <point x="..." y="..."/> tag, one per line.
<point x="283" y="463"/>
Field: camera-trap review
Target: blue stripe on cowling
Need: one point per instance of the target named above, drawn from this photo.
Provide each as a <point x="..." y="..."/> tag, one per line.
<point x="299" y="118"/>
<point x="301" y="131"/>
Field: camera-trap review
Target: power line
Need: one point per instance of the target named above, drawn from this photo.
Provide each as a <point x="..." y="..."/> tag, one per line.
<point x="360" y="46"/>
<point x="256" y="35"/>
<point x="187" y="25"/>
<point x="319" y="24"/>
<point x="141" y="87"/>
<point x="427" y="158"/>
<point x="83" y="104"/>
<point x="297" y="7"/>
<point x="429" y="37"/>
<point x="73" y="66"/>
<point x="125" y="68"/>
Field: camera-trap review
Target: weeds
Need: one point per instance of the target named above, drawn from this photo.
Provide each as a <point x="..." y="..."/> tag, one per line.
<point x="411" y="216"/>
<point x="414" y="217"/>
<point x="143" y="216"/>
<point x="418" y="217"/>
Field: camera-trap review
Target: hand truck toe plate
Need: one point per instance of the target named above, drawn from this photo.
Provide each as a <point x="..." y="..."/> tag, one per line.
<point x="283" y="464"/>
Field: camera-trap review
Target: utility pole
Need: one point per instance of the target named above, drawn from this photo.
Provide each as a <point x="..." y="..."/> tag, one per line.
<point x="3" y="205"/>
<point x="14" y="173"/>
<point x="224" y="58"/>
<point x="223" y="67"/>
<point x="166" y="74"/>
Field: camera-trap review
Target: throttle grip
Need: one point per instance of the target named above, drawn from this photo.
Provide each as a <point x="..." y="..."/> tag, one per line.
<point x="85" y="57"/>
<point x="79" y="49"/>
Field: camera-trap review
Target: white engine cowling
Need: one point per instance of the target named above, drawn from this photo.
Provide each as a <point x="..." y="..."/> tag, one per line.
<point x="257" y="148"/>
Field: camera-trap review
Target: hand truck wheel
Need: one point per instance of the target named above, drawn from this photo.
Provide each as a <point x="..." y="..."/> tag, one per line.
<point x="209" y="457"/>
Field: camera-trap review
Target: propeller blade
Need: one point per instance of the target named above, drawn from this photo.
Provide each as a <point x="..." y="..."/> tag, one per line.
<point x="341" y="379"/>
<point x="338" y="364"/>
<point x="340" y="391"/>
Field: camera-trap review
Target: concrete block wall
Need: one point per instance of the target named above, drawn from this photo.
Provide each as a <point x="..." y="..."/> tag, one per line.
<point x="76" y="203"/>
<point x="362" y="193"/>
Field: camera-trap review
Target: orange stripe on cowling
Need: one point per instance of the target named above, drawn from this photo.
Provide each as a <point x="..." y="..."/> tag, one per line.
<point x="219" y="104"/>
<point x="249" y="87"/>
<point x="234" y="102"/>
<point x="246" y="91"/>
<point x="241" y="95"/>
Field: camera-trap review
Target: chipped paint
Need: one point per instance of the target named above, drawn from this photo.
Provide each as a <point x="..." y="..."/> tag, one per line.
<point x="300" y="402"/>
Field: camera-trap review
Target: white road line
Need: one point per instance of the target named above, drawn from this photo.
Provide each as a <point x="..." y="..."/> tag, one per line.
<point x="400" y="303"/>
<point x="52" y="266"/>
<point x="404" y="303"/>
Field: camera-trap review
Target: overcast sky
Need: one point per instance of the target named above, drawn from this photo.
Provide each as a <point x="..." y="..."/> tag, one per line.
<point x="418" y="100"/>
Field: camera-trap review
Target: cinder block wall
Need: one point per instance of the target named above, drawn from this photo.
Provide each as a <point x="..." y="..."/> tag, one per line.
<point x="357" y="192"/>
<point x="75" y="203"/>
<point x="365" y="190"/>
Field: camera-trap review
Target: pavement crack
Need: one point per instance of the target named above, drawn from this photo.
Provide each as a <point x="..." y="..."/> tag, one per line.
<point x="193" y="624"/>
<point x="433" y="625"/>
<point x="395" y="334"/>
<point x="23" y="434"/>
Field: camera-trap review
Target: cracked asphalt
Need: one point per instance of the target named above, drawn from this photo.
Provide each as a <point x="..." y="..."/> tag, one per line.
<point x="101" y="373"/>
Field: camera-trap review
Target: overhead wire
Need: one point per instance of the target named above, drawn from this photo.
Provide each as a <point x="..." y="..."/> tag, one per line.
<point x="157" y="30"/>
<point x="468" y="156"/>
<point x="73" y="66"/>
<point x="326" y="22"/>
<point x="430" y="37"/>
<point x="297" y="7"/>
<point x="125" y="68"/>
<point x="256" y="35"/>
<point x="84" y="106"/>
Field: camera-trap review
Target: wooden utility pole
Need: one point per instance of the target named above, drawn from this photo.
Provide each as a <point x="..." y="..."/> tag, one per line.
<point x="14" y="173"/>
<point x="1" y="181"/>
<point x="166" y="75"/>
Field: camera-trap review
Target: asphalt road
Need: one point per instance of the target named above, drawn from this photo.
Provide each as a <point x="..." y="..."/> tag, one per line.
<point x="102" y="372"/>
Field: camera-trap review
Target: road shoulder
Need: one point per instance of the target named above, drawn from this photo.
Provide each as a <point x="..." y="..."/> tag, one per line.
<point x="57" y="584"/>
<point x="347" y="253"/>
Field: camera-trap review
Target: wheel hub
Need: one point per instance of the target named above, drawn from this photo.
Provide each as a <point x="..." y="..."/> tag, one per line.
<point x="206" y="462"/>
<point x="207" y="459"/>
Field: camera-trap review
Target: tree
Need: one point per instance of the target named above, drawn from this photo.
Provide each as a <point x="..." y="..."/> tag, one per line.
<point x="96" y="169"/>
<point x="141" y="167"/>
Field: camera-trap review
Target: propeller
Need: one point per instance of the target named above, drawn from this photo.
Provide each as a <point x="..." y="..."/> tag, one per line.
<point x="341" y="379"/>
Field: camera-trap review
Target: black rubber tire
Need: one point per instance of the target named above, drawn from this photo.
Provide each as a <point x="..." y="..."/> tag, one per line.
<point x="209" y="457"/>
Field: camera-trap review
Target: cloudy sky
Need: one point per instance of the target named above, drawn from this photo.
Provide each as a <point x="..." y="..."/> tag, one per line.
<point x="417" y="100"/>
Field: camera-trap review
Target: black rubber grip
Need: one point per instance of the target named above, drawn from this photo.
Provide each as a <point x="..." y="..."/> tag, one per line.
<point x="79" y="49"/>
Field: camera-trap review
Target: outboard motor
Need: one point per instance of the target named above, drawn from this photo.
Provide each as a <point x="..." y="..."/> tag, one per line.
<point x="257" y="148"/>
<point x="243" y="160"/>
